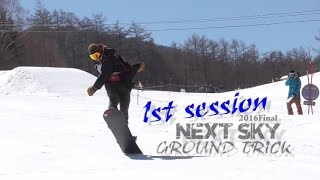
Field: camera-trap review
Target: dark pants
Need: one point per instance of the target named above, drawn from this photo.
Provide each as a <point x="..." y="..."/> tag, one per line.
<point x="296" y="100"/>
<point x="119" y="94"/>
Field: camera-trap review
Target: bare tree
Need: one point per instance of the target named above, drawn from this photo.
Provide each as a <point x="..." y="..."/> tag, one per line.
<point x="197" y="45"/>
<point x="118" y="35"/>
<point x="64" y="20"/>
<point x="85" y="24"/>
<point x="139" y="37"/>
<point x="11" y="47"/>
<point x="41" y="19"/>
<point x="14" y="10"/>
<point x="224" y="47"/>
<point x="139" y="33"/>
<point x="99" y="22"/>
<point x="118" y="31"/>
<point x="213" y="50"/>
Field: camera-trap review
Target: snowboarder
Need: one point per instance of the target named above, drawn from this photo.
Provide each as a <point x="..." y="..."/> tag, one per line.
<point x="294" y="84"/>
<point x="115" y="73"/>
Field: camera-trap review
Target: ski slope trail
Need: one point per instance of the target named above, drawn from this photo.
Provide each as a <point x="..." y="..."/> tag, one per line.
<point x="51" y="129"/>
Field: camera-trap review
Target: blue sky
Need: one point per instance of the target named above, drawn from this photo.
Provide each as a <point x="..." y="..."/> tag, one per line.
<point x="267" y="38"/>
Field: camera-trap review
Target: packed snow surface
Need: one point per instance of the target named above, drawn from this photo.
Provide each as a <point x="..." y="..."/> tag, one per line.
<point x="51" y="129"/>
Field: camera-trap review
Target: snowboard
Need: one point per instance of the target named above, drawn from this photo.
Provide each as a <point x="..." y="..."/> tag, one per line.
<point x="119" y="127"/>
<point x="129" y="77"/>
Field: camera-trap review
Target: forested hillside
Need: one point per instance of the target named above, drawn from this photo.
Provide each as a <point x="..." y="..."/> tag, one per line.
<point x="60" y="39"/>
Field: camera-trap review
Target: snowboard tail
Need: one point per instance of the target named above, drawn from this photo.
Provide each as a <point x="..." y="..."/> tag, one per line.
<point x="119" y="128"/>
<point x="129" y="77"/>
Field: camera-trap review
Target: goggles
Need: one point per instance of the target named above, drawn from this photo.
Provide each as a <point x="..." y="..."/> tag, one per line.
<point x="95" y="56"/>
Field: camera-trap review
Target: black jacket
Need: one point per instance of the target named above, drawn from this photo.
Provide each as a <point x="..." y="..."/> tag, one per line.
<point x="112" y="69"/>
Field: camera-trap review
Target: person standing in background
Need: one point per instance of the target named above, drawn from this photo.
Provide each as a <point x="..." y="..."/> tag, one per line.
<point x="294" y="84"/>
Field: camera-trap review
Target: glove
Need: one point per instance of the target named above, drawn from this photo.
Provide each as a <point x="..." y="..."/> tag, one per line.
<point x="91" y="90"/>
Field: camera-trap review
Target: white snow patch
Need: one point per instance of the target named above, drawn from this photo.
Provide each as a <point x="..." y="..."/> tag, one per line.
<point x="45" y="80"/>
<point x="65" y="136"/>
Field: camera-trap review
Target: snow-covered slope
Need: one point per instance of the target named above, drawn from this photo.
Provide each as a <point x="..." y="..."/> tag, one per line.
<point x="51" y="129"/>
<point x="41" y="80"/>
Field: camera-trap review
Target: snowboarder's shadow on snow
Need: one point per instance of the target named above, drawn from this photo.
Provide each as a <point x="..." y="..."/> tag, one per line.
<point x="147" y="157"/>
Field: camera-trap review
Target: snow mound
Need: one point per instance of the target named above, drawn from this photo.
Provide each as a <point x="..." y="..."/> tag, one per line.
<point x="44" y="80"/>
